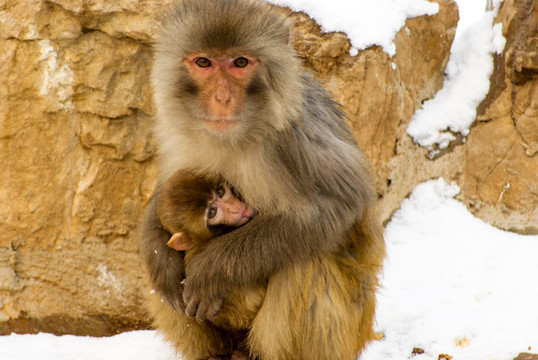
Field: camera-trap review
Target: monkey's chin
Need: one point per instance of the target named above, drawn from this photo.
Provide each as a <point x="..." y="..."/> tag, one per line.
<point x="221" y="125"/>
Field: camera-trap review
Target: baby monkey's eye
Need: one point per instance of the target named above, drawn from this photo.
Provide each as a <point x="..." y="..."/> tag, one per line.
<point x="212" y="213"/>
<point x="221" y="191"/>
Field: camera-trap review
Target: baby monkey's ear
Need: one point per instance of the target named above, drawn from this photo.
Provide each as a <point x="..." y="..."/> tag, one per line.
<point x="180" y="241"/>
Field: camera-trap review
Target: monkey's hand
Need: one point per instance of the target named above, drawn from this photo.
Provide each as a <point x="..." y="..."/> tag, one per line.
<point x="203" y="293"/>
<point x="200" y="305"/>
<point x="165" y="265"/>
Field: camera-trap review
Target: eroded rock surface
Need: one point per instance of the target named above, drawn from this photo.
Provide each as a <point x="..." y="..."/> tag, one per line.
<point x="501" y="172"/>
<point x="78" y="161"/>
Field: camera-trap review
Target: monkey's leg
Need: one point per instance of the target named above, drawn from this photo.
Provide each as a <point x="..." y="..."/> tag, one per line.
<point x="191" y="339"/>
<point x="321" y="309"/>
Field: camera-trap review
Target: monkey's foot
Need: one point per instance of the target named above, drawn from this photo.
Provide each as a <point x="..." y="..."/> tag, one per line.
<point x="237" y="355"/>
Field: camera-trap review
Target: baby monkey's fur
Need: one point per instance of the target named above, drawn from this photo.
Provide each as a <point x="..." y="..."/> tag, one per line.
<point x="182" y="207"/>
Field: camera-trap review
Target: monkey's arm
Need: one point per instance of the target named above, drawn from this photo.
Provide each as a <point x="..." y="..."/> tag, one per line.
<point x="249" y="254"/>
<point x="165" y="265"/>
<point x="268" y="242"/>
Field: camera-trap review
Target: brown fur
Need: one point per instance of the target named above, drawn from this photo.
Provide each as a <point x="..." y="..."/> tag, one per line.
<point x="181" y="204"/>
<point x="315" y="248"/>
<point x="341" y="290"/>
<point x="331" y="317"/>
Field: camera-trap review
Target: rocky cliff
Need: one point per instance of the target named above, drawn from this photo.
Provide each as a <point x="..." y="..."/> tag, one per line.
<point x="78" y="160"/>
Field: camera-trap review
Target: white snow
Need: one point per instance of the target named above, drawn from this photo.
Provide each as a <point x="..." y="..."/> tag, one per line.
<point x="451" y="279"/>
<point x="470" y="11"/>
<point x="143" y="345"/>
<point x="452" y="284"/>
<point x="453" y="109"/>
<point x="365" y="22"/>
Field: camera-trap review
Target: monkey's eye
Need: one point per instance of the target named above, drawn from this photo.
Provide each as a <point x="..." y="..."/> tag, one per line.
<point x="221" y="191"/>
<point x="241" y="62"/>
<point x="203" y="62"/>
<point x="212" y="213"/>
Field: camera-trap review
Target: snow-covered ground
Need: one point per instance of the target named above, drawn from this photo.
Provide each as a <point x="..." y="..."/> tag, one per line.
<point x="452" y="284"/>
<point x="135" y="345"/>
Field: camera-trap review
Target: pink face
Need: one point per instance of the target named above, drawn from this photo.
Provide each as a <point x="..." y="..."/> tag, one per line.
<point x="226" y="209"/>
<point x="222" y="82"/>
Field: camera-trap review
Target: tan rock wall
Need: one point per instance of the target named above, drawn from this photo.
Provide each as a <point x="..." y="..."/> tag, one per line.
<point x="501" y="172"/>
<point x="75" y="150"/>
<point x="380" y="94"/>
<point x="78" y="163"/>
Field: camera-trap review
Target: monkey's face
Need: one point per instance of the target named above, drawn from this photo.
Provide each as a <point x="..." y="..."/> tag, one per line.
<point x="225" y="208"/>
<point x="225" y="77"/>
<point x="221" y="86"/>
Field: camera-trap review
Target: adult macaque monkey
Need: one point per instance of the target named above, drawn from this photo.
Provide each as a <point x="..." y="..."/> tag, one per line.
<point x="233" y="100"/>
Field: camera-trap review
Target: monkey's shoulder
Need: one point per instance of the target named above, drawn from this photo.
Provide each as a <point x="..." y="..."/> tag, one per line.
<point x="323" y="119"/>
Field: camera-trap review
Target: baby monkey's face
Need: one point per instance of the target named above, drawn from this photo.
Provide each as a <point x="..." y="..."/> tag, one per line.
<point x="226" y="208"/>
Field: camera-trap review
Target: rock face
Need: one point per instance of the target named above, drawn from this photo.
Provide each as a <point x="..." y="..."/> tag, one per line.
<point x="78" y="161"/>
<point x="501" y="172"/>
<point x="380" y="94"/>
<point x="525" y="356"/>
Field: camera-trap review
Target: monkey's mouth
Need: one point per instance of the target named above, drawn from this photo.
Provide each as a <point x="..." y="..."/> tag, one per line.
<point x="221" y="125"/>
<point x="248" y="214"/>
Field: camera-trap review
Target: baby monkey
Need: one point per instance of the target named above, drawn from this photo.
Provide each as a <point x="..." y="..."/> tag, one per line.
<point x="196" y="208"/>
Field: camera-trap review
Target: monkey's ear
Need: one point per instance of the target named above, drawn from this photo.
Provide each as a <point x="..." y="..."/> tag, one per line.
<point x="180" y="241"/>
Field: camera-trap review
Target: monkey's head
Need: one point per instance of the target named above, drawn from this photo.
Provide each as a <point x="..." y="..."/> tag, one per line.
<point x="184" y="202"/>
<point x="224" y="71"/>
<point x="200" y="206"/>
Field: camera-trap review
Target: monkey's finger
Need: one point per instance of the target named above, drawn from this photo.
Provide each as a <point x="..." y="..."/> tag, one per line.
<point x="179" y="305"/>
<point x="238" y="356"/>
<point x="186" y="294"/>
<point x="201" y="314"/>
<point x="191" y="308"/>
<point x="214" y="308"/>
<point x="208" y="309"/>
<point x="175" y="300"/>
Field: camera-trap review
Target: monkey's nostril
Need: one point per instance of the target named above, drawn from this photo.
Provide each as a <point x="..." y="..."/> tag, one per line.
<point x="223" y="96"/>
<point x="223" y="100"/>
